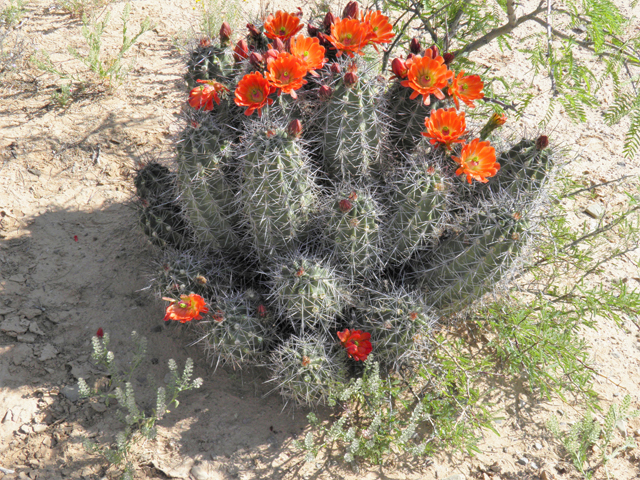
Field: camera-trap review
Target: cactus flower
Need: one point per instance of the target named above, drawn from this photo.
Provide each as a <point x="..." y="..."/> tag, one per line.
<point x="357" y="343"/>
<point x="381" y="30"/>
<point x="286" y="73"/>
<point x="253" y="91"/>
<point x="310" y="53"/>
<point x="188" y="308"/>
<point x="203" y="96"/>
<point x="282" y="26"/>
<point x="427" y="76"/>
<point x="477" y="161"/>
<point x="349" y="36"/>
<point x="445" y="127"/>
<point x="466" y="88"/>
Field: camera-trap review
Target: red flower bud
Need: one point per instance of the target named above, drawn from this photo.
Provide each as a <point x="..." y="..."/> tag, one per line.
<point x="100" y="333"/>
<point x="271" y="55"/>
<point x="350" y="79"/>
<point x="256" y="59"/>
<point x="324" y="92"/>
<point x="262" y="311"/>
<point x="225" y="34"/>
<point x="295" y="128"/>
<point x="253" y="30"/>
<point x="432" y="51"/>
<point x="542" y="142"/>
<point x="278" y="45"/>
<point x="298" y="13"/>
<point x="399" y="68"/>
<point x="329" y="19"/>
<point x="415" y="46"/>
<point x="345" y="205"/>
<point x="312" y="31"/>
<point x="335" y="68"/>
<point x="204" y="42"/>
<point x="241" y="51"/>
<point x="448" y="58"/>
<point x="352" y="10"/>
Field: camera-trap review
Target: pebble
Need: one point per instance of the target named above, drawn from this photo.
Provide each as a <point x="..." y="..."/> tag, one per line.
<point x="14" y="326"/>
<point x="537" y="446"/>
<point x="534" y="465"/>
<point x="98" y="407"/>
<point x="34" y="328"/>
<point x="26" y="429"/>
<point x="30" y="313"/>
<point x="71" y="392"/>
<point x="48" y="352"/>
<point x="594" y="210"/>
<point x="456" y="476"/>
<point x="27" y="338"/>
<point x="523" y="461"/>
<point x="39" y="428"/>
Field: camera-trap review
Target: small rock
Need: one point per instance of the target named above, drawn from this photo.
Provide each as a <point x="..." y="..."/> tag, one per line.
<point x="48" y="352"/>
<point x="27" y="338"/>
<point x="8" y="416"/>
<point x="455" y="476"/>
<point x="26" y="429"/>
<point x="622" y="164"/>
<point x="637" y="433"/>
<point x="6" y="310"/>
<point x="17" y="278"/>
<point x="537" y="446"/>
<point x="180" y="470"/>
<point x="98" y="407"/>
<point x="523" y="461"/>
<point x="34" y="328"/>
<point x="495" y="468"/>
<point x="594" y="210"/>
<point x="560" y="412"/>
<point x="621" y="425"/>
<point x="206" y="471"/>
<point x="71" y="392"/>
<point x="544" y="475"/>
<point x="14" y="326"/>
<point x="30" y="313"/>
<point x="21" y="353"/>
<point x="533" y="465"/>
<point x="39" y="428"/>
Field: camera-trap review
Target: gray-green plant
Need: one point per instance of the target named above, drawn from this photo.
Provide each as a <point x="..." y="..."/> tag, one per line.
<point x="138" y="419"/>
<point x="585" y="435"/>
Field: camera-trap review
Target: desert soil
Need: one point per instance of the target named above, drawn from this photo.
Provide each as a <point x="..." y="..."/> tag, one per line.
<point x="72" y="260"/>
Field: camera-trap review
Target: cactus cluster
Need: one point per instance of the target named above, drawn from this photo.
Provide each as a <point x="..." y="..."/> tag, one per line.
<point x="310" y="195"/>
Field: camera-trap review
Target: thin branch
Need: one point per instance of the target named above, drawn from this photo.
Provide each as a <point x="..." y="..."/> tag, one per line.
<point x="452" y="29"/>
<point x="550" y="50"/>
<point x="501" y="103"/>
<point x="607" y="227"/>
<point x="496" y="32"/>
<point x="387" y="52"/>
<point x="586" y="189"/>
<point x="511" y="13"/>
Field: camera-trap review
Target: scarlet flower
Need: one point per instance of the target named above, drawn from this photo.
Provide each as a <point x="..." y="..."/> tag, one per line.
<point x="203" y="96"/>
<point x="381" y="30"/>
<point x="467" y="89"/>
<point x="445" y="127"/>
<point x="286" y="73"/>
<point x="427" y="76"/>
<point x="357" y="343"/>
<point x="349" y="36"/>
<point x="253" y="91"/>
<point x="478" y="161"/>
<point x="282" y="26"/>
<point x="310" y="53"/>
<point x="188" y="308"/>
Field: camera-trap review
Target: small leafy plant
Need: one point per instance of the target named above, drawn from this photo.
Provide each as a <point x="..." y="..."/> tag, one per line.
<point x="12" y="13"/>
<point x="587" y="433"/>
<point x="138" y="421"/>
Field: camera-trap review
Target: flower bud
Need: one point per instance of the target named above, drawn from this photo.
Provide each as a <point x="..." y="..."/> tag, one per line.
<point x="324" y="92"/>
<point x="298" y="13"/>
<point x="271" y="55"/>
<point x="399" y="68"/>
<point x="225" y="34"/>
<point x="415" y="46"/>
<point x="278" y="45"/>
<point x="352" y="10"/>
<point x="241" y="51"/>
<point x="350" y="79"/>
<point x="335" y="68"/>
<point x="256" y="59"/>
<point x="262" y="311"/>
<point x="253" y="30"/>
<point x="204" y="42"/>
<point x="295" y="128"/>
<point x="496" y="120"/>
<point x="542" y="142"/>
<point x="100" y="333"/>
<point x="312" y="31"/>
<point x="432" y="51"/>
<point x="345" y="205"/>
<point x="448" y="58"/>
<point x="329" y="19"/>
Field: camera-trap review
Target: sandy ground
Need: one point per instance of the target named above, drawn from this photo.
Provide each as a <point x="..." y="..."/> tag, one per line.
<point x="72" y="260"/>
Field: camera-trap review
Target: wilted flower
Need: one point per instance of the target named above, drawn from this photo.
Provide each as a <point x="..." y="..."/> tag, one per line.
<point x="495" y="121"/>
<point x="445" y="127"/>
<point x="356" y="343"/>
<point x="477" y="161"/>
<point x="188" y="308"/>
<point x="466" y="88"/>
<point x="203" y="96"/>
<point x="448" y="58"/>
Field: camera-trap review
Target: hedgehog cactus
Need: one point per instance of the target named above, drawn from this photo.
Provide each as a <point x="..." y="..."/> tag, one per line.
<point x="312" y="198"/>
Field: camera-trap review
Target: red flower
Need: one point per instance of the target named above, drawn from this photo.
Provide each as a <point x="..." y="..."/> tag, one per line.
<point x="188" y="308"/>
<point x="381" y="30"/>
<point x="253" y="91"/>
<point x="349" y="36"/>
<point x="310" y="53"/>
<point x="286" y="73"/>
<point x="100" y="333"/>
<point x="445" y="127"/>
<point x="203" y="96"/>
<point x="427" y="76"/>
<point x="357" y="343"/>
<point x="467" y="89"/>
<point x="478" y="161"/>
<point x="282" y="26"/>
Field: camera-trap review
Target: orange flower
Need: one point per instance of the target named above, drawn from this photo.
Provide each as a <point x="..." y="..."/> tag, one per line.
<point x="445" y="127"/>
<point x="203" y="96"/>
<point x="349" y="36"/>
<point x="467" y="89"/>
<point x="381" y="30"/>
<point x="286" y="73"/>
<point x="282" y="26"/>
<point x="188" y="308"/>
<point x="253" y="91"/>
<point x="427" y="76"/>
<point x="310" y="53"/>
<point x="357" y="343"/>
<point x="478" y="161"/>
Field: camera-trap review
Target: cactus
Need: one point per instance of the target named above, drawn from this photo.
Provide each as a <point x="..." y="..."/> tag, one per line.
<point x="303" y="194"/>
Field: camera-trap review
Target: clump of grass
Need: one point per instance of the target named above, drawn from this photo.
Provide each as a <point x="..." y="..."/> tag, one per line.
<point x="12" y="13"/>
